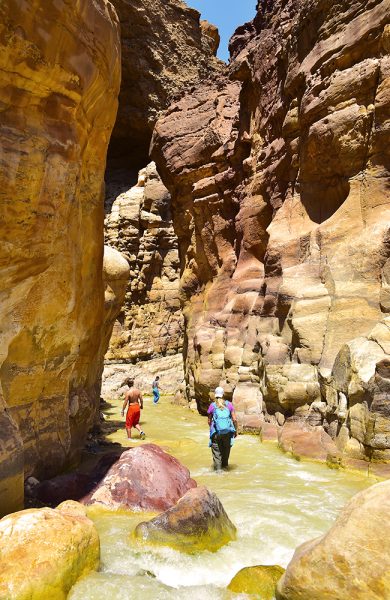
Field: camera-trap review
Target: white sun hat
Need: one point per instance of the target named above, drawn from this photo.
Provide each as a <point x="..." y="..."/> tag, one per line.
<point x="218" y="393"/>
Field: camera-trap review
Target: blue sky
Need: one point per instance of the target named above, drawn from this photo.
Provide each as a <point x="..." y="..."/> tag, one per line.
<point x="227" y="15"/>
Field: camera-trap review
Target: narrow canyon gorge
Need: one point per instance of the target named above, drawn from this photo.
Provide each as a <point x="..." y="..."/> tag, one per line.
<point x="225" y="224"/>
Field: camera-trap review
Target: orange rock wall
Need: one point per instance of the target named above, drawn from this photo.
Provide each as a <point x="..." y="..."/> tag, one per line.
<point x="279" y="175"/>
<point x="59" y="81"/>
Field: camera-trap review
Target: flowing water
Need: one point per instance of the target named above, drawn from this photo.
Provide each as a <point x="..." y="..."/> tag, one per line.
<point x="275" y="502"/>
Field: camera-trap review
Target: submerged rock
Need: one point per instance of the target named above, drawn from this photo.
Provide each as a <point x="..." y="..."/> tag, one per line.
<point x="44" y="551"/>
<point x="144" y="478"/>
<point x="197" y="522"/>
<point x="260" y="581"/>
<point x="352" y="560"/>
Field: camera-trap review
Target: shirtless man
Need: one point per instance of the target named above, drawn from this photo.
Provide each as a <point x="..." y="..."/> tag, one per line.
<point x="133" y="398"/>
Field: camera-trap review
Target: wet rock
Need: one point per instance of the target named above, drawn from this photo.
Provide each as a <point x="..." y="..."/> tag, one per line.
<point x="352" y="560"/>
<point x="197" y="522"/>
<point x="44" y="551"/>
<point x="259" y="581"/>
<point x="144" y="478"/>
<point x="303" y="441"/>
<point x="140" y="226"/>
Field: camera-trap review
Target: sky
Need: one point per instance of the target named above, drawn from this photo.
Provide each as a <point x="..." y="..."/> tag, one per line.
<point x="227" y="15"/>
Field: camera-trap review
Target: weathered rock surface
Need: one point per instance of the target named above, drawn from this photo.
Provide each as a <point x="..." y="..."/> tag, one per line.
<point x="44" y="551"/>
<point x="164" y="50"/>
<point x="116" y="273"/>
<point x="352" y="560"/>
<point x="144" y="478"/>
<point x="197" y="522"/>
<point x="259" y="581"/>
<point x="279" y="176"/>
<point x="140" y="226"/>
<point x="169" y="369"/>
<point x="304" y="441"/>
<point x="59" y="81"/>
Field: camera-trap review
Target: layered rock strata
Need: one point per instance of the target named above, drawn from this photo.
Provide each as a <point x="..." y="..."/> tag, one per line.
<point x="196" y="523"/>
<point x="279" y="176"/>
<point x="59" y="81"/>
<point x="165" y="49"/>
<point x="140" y="226"/>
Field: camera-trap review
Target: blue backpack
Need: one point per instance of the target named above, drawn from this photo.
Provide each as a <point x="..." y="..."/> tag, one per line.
<point x="222" y="419"/>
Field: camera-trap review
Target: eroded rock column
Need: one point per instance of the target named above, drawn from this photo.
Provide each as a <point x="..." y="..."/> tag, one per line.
<point x="140" y="226"/>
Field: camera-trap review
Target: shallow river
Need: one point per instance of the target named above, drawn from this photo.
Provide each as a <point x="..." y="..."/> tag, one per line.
<point x="275" y="502"/>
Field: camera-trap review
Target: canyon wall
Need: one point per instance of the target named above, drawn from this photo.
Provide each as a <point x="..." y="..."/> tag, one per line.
<point x="139" y="225"/>
<point x="279" y="177"/>
<point x="166" y="49"/>
<point x="59" y="82"/>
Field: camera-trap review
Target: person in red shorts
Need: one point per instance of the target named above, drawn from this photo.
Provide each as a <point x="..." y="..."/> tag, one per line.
<point x="134" y="401"/>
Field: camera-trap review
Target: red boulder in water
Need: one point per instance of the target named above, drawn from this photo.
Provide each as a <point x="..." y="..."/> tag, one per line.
<point x="144" y="478"/>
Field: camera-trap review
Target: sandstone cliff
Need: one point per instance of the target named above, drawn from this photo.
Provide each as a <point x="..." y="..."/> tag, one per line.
<point x="59" y="81"/>
<point x="279" y="176"/>
<point x="165" y="50"/>
<point x="140" y="226"/>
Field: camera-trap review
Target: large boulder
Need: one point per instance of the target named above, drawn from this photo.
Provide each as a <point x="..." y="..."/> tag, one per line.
<point x="303" y="441"/>
<point x="259" y="581"/>
<point x="352" y="560"/>
<point x="144" y="478"/>
<point x="44" y="551"/>
<point x="197" y="522"/>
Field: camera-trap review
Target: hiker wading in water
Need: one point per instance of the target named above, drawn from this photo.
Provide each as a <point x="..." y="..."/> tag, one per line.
<point x="156" y="389"/>
<point x="223" y="429"/>
<point x="133" y="398"/>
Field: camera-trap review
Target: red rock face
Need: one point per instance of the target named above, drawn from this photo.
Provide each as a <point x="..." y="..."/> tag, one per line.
<point x="279" y="176"/>
<point x="144" y="478"/>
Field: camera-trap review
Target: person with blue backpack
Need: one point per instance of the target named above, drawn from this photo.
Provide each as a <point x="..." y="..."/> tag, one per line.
<point x="223" y="429"/>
